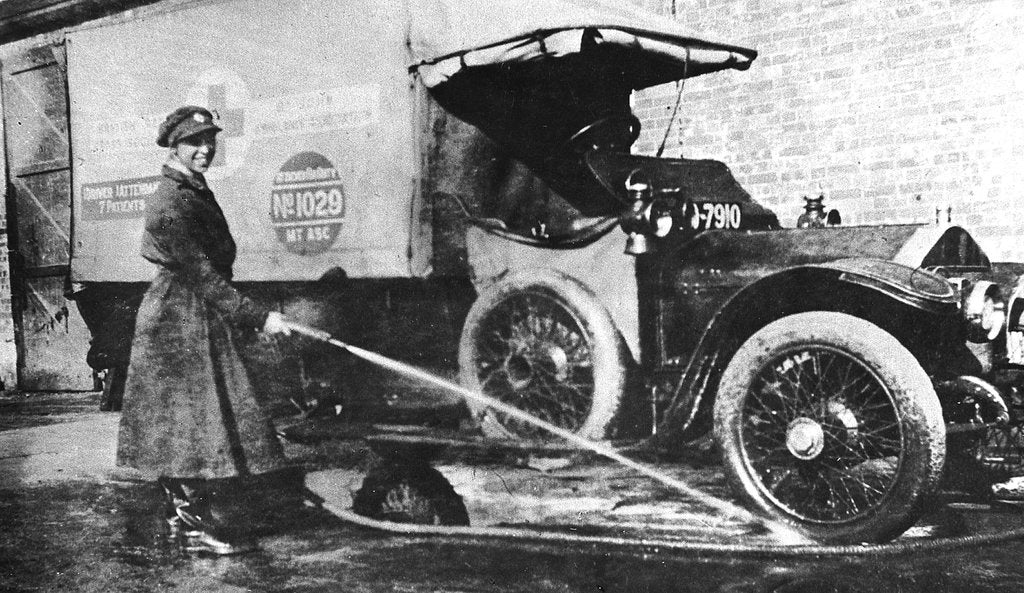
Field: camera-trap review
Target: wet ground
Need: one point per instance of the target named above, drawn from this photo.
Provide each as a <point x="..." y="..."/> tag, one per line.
<point x="68" y="524"/>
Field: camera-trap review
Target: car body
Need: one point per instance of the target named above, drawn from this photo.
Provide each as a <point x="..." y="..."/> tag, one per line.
<point x="829" y="363"/>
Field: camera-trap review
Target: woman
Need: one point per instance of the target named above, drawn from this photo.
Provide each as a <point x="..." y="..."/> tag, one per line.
<point x="189" y="415"/>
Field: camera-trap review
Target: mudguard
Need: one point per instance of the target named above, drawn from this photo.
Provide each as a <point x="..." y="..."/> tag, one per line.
<point x="911" y="286"/>
<point x="797" y="289"/>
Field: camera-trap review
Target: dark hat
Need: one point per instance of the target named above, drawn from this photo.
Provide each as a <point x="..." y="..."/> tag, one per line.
<point x="184" y="122"/>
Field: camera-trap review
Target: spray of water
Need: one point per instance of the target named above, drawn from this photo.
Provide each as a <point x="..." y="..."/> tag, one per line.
<point x="782" y="531"/>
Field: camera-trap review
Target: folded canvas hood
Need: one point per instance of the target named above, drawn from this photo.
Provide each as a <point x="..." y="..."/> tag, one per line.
<point x="531" y="73"/>
<point x="449" y="37"/>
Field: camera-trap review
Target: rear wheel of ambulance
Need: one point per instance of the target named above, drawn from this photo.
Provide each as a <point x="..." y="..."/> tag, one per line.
<point x="539" y="341"/>
<point x="830" y="425"/>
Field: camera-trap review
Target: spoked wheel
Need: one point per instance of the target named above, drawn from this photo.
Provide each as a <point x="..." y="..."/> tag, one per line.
<point x="826" y="422"/>
<point x="1001" y="452"/>
<point x="542" y="343"/>
<point x="1001" y="449"/>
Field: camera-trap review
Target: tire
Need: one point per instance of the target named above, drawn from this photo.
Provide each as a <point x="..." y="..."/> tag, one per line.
<point x="410" y="493"/>
<point x="541" y="342"/>
<point x="841" y="466"/>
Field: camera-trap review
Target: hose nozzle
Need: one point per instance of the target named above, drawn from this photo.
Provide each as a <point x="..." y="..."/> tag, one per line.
<point x="312" y="332"/>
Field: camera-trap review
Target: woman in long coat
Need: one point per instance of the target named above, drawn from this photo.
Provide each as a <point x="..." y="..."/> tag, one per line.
<point x="189" y="411"/>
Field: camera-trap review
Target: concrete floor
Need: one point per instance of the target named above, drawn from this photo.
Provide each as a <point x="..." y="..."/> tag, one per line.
<point x="69" y="522"/>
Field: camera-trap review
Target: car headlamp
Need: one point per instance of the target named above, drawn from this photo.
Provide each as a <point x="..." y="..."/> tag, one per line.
<point x="984" y="311"/>
<point x="658" y="217"/>
<point x="649" y="216"/>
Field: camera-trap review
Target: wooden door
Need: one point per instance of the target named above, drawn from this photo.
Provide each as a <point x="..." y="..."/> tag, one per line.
<point x="51" y="337"/>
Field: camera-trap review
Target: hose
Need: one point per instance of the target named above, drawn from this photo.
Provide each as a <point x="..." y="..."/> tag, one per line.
<point x="800" y="546"/>
<point x="666" y="546"/>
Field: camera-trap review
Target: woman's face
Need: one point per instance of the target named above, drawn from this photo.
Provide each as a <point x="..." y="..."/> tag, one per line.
<point x="197" y="152"/>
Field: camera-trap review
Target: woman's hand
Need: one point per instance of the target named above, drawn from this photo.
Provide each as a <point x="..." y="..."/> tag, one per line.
<point x="276" y="324"/>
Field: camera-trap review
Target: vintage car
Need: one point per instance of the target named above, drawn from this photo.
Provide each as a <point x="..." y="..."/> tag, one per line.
<point x="829" y="363"/>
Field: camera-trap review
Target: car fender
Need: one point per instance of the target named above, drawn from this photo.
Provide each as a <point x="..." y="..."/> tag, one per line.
<point x="882" y="292"/>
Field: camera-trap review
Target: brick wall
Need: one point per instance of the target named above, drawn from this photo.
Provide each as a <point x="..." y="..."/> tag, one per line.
<point x="889" y="108"/>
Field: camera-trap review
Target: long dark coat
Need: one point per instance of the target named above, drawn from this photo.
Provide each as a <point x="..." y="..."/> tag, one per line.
<point x="189" y="409"/>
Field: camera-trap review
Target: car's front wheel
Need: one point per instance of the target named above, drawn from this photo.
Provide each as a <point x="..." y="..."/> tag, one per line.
<point x="828" y="424"/>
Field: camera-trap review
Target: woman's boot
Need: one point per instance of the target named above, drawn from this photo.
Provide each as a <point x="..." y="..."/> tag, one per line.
<point x="205" y="534"/>
<point x="190" y="518"/>
<point x="174" y="498"/>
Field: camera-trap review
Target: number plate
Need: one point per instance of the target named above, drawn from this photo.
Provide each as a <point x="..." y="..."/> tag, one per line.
<point x="704" y="216"/>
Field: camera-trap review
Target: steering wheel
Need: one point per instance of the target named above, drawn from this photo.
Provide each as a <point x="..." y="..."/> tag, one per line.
<point x="615" y="132"/>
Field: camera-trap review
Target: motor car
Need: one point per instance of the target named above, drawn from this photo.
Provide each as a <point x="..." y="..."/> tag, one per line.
<point x="830" y="364"/>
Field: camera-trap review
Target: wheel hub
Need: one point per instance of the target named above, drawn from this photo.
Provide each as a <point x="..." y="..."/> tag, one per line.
<point x="805" y="438"/>
<point x="549" y="359"/>
<point x="520" y="371"/>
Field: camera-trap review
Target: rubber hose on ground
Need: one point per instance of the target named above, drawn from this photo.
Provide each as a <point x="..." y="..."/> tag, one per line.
<point x="670" y="546"/>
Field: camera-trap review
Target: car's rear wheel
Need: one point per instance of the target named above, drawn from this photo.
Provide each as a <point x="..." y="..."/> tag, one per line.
<point x="827" y="423"/>
<point x="541" y="342"/>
